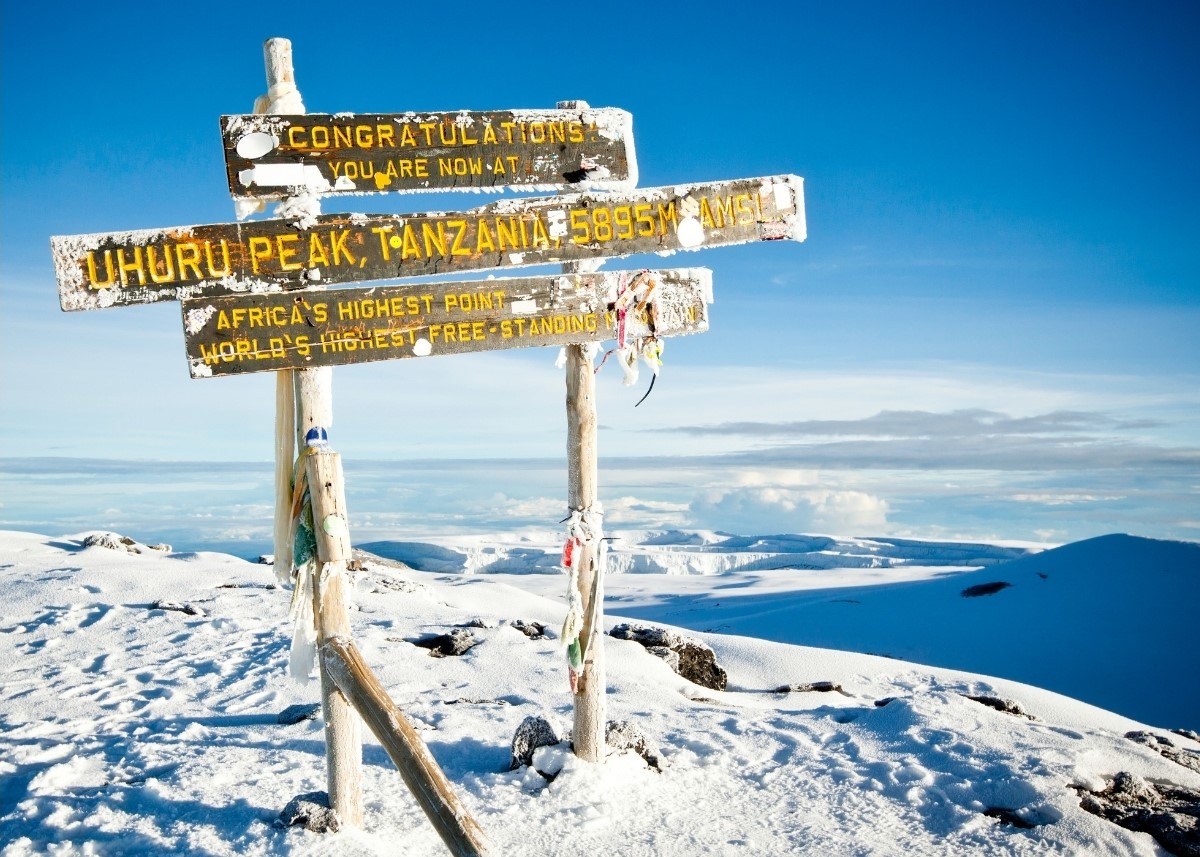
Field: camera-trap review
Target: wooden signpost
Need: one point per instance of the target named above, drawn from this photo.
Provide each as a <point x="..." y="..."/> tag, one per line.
<point x="254" y="299"/>
<point x="269" y="156"/>
<point x="144" y="266"/>
<point x="234" y="334"/>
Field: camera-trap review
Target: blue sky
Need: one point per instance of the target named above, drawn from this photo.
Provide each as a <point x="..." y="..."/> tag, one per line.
<point x="991" y="331"/>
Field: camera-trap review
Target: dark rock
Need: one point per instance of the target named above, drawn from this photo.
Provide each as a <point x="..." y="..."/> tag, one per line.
<point x="475" y="700"/>
<point x="621" y="735"/>
<point x="453" y="644"/>
<point x="532" y="630"/>
<point x="880" y="703"/>
<point x="117" y="542"/>
<point x="812" y="687"/>
<point x="697" y="662"/>
<point x="189" y="609"/>
<point x="311" y="810"/>
<point x="1166" y="747"/>
<point x="1007" y="706"/>
<point x="1171" y="814"/>
<point x="985" y="589"/>
<point x="533" y="732"/>
<point x="1009" y="817"/>
<point x="1188" y="733"/>
<point x="298" y="713"/>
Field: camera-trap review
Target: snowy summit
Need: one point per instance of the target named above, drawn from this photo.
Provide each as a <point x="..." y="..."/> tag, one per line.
<point x="146" y="705"/>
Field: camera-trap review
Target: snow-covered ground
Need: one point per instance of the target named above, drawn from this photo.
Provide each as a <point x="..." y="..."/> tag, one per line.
<point x="127" y="728"/>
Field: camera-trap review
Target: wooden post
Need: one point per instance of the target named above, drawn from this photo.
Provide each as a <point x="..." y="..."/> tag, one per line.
<point x="304" y="401"/>
<point x="587" y="734"/>
<point x="282" y="97"/>
<point x="420" y="771"/>
<point x="343" y="735"/>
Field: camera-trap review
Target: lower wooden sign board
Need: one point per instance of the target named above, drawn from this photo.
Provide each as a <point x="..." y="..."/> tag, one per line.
<point x="235" y="334"/>
<point x="116" y="269"/>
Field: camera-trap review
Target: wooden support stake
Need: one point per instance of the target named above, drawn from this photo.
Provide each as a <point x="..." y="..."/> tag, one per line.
<point x="587" y="734"/>
<point x="343" y="735"/>
<point x="304" y="400"/>
<point x="419" y="769"/>
<point x="282" y="97"/>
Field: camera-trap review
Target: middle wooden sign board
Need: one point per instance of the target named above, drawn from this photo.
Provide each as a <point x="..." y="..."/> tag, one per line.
<point x="114" y="269"/>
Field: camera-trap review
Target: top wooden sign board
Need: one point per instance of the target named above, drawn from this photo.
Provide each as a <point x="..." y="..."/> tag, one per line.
<point x="270" y="156"/>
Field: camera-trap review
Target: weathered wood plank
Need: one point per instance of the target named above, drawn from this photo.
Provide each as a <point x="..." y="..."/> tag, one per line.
<point x="114" y="269"/>
<point x="343" y="735"/>
<point x="235" y="334"/>
<point x="270" y="156"/>
<point x="421" y="772"/>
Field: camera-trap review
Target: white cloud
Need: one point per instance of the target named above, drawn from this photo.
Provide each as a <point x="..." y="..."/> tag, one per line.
<point x="1048" y="499"/>
<point x="789" y="510"/>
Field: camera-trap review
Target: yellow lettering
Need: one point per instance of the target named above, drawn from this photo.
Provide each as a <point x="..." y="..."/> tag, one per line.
<point x="666" y="215"/>
<point x="483" y="238"/>
<point x="134" y="267"/>
<point x="745" y="213"/>
<point x="260" y="250"/>
<point x="168" y="273"/>
<point x="189" y="257"/>
<point x="338" y="244"/>
<point x="725" y="211"/>
<point x="384" y="244"/>
<point x="457" y="249"/>
<point x="506" y="234"/>
<point x="434" y="240"/>
<point x="541" y="238"/>
<point x="409" y="246"/>
<point x="213" y="270"/>
<point x="91" y="261"/>
<point x="286" y="252"/>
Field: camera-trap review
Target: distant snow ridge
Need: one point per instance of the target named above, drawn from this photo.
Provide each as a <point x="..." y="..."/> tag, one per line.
<point x="691" y="552"/>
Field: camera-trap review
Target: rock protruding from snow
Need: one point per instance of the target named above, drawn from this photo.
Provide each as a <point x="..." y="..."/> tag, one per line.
<point x="812" y="687"/>
<point x="532" y="630"/>
<point x="533" y="732"/>
<point x="312" y="811"/>
<point x="622" y="736"/>
<point x="178" y="607"/>
<point x="116" y="542"/>
<point x="1166" y="747"/>
<point x="453" y="644"/>
<point x="298" y="713"/>
<point x="687" y="656"/>
<point x="1171" y="814"/>
<point x="1007" y="706"/>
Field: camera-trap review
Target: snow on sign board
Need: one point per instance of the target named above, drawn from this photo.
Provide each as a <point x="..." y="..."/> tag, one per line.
<point x="114" y="269"/>
<point x="234" y="334"/>
<point x="275" y="156"/>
